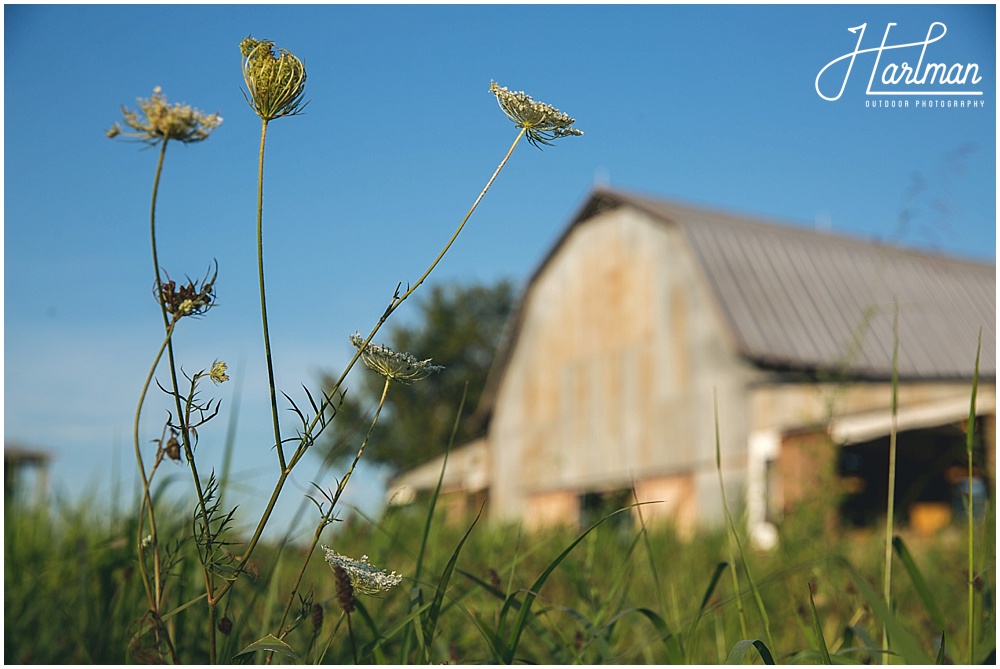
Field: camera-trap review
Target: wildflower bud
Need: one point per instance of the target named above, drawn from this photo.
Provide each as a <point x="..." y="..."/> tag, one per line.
<point x="316" y="615"/>
<point x="225" y="625"/>
<point x="185" y="307"/>
<point x="275" y="82"/>
<point x="173" y="449"/>
<point x="345" y="591"/>
<point x="218" y="372"/>
<point x="191" y="299"/>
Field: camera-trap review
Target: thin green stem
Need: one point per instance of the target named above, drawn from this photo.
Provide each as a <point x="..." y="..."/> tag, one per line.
<point x="169" y="324"/>
<point x="263" y="297"/>
<point x="464" y="221"/>
<point x="328" y="516"/>
<point x="354" y="645"/>
<point x="154" y="594"/>
<point x="970" y="519"/>
<point x="308" y="435"/>
<point x="730" y="530"/>
<point x="891" y="501"/>
<point x="397" y="300"/>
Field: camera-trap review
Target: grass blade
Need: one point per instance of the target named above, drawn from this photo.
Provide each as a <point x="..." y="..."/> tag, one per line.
<point x="731" y="526"/>
<point x="712" y="583"/>
<point x="740" y="650"/>
<point x="903" y="643"/>
<point x="269" y="644"/>
<point x="818" y="629"/>
<point x="532" y="593"/>
<point x="430" y="621"/>
<point x="416" y="597"/>
<point x="970" y="516"/>
<point x="928" y="600"/>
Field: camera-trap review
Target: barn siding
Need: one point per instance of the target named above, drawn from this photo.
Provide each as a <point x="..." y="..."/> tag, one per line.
<point x="601" y="389"/>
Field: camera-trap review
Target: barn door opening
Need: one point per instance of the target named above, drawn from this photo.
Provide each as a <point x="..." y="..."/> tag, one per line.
<point x="931" y="478"/>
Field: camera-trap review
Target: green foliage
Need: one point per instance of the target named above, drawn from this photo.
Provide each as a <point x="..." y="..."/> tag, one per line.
<point x="494" y="594"/>
<point x="460" y="327"/>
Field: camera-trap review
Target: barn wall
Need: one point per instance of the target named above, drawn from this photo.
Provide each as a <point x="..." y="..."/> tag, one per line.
<point x="612" y="376"/>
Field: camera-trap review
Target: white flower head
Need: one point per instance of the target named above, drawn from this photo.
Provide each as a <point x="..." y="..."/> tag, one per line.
<point x="157" y="121"/>
<point x="394" y="366"/>
<point x="365" y="577"/>
<point x="542" y="123"/>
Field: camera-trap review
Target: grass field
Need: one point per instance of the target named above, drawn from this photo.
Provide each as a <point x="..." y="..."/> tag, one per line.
<point x="620" y="595"/>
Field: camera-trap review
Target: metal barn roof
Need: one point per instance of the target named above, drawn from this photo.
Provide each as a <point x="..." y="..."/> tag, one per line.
<point x="800" y="299"/>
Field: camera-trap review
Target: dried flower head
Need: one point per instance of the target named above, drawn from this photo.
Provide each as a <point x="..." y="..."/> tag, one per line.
<point x="541" y="122"/>
<point x="275" y="82"/>
<point x="401" y="367"/>
<point x="363" y="575"/>
<point x="218" y="372"/>
<point x="345" y="590"/>
<point x="190" y="299"/>
<point x="316" y="616"/>
<point x="173" y="448"/>
<point x="157" y="121"/>
<point x="225" y="625"/>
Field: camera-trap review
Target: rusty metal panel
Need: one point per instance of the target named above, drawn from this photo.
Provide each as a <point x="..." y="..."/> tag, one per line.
<point x="611" y="377"/>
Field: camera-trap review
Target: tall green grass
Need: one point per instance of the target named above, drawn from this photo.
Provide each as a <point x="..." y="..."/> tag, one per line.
<point x="492" y="595"/>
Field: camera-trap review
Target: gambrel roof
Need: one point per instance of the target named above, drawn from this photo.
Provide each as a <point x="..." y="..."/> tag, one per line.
<point x="800" y="300"/>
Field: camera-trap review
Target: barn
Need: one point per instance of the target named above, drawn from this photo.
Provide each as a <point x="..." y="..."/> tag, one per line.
<point x="653" y="330"/>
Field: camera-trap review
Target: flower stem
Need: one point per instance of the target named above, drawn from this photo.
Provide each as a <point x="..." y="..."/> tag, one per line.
<point x="328" y="516"/>
<point x="397" y="300"/>
<point x="147" y="502"/>
<point x="307" y="437"/>
<point x="169" y="325"/>
<point x="891" y="495"/>
<point x="263" y="297"/>
<point x="464" y="221"/>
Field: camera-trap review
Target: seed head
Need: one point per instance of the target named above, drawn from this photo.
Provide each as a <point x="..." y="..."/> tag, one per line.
<point x="157" y="121"/>
<point x="316" y="616"/>
<point x="362" y="575"/>
<point x="275" y="82"/>
<point x="542" y="123"/>
<point x="194" y="298"/>
<point x="401" y="367"/>
<point x="345" y="591"/>
<point x="225" y="625"/>
<point x="173" y="448"/>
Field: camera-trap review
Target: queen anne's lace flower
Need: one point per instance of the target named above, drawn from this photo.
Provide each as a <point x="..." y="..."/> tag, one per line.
<point x="541" y="122"/>
<point x="275" y="82"/>
<point x="394" y="366"/>
<point x="365" y="577"/>
<point x="156" y="121"/>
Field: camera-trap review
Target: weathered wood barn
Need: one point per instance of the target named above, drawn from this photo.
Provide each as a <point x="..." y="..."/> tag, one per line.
<point x="648" y="319"/>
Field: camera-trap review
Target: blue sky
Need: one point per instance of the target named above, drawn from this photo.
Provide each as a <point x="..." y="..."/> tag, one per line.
<point x="712" y="105"/>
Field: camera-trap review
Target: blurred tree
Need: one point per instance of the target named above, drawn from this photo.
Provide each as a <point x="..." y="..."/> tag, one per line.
<point x="459" y="327"/>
